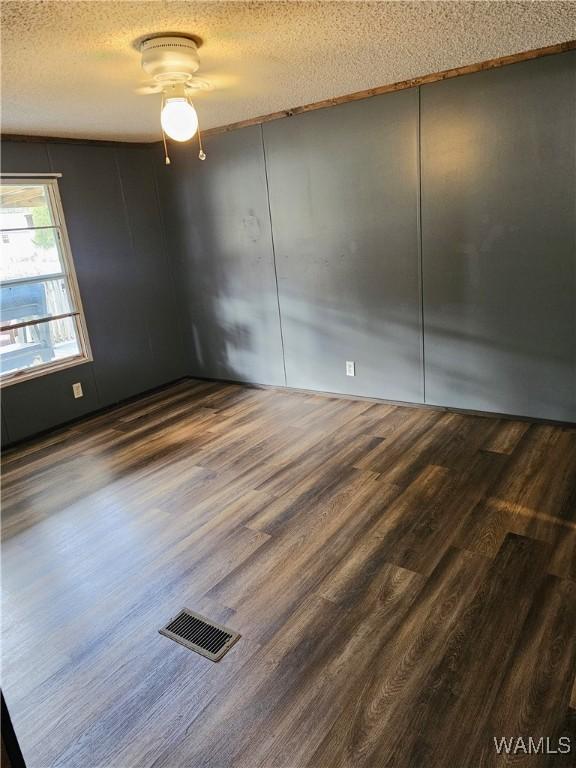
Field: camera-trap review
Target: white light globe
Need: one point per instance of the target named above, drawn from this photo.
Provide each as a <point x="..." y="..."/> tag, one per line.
<point x="179" y="119"/>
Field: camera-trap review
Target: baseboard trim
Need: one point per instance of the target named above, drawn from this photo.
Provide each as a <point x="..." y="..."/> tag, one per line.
<point x="280" y="388"/>
<point x="384" y="401"/>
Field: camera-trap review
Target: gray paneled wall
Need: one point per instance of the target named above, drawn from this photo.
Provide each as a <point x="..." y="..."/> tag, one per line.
<point x="499" y="239"/>
<point x="113" y="219"/>
<point x="152" y="279"/>
<point x="343" y="185"/>
<point x="496" y="284"/>
<point x="218" y="225"/>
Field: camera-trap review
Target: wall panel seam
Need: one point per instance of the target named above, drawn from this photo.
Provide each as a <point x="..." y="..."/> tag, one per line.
<point x="273" y="253"/>
<point x="420" y="241"/>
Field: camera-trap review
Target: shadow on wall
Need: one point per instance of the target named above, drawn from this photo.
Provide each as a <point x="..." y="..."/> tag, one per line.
<point x="218" y="225"/>
<point x="487" y="346"/>
<point x="481" y="353"/>
<point x="201" y="280"/>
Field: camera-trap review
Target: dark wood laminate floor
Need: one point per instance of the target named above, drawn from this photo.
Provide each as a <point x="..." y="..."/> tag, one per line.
<point x="404" y="581"/>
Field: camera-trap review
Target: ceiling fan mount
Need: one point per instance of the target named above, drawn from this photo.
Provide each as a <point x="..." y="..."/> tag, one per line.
<point x="171" y="60"/>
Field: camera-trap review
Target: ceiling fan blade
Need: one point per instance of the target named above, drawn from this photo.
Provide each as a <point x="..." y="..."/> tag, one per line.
<point x="220" y="81"/>
<point x="199" y="84"/>
<point x="145" y="90"/>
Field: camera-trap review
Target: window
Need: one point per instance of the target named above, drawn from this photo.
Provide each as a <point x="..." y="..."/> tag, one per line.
<point x="42" y="327"/>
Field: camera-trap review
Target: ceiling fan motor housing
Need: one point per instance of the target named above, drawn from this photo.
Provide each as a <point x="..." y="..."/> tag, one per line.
<point x="170" y="59"/>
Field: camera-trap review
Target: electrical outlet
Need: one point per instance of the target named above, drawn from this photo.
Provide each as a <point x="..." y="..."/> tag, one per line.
<point x="350" y="368"/>
<point x="77" y="390"/>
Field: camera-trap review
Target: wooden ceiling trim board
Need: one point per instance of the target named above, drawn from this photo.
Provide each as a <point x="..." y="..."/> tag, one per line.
<point x="434" y="77"/>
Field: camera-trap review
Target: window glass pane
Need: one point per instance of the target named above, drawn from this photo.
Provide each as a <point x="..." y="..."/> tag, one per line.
<point x="26" y="301"/>
<point x="38" y="344"/>
<point x="36" y="282"/>
<point x="29" y="253"/>
<point x="24" y="205"/>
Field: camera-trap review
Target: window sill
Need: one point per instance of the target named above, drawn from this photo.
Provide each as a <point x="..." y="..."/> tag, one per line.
<point x="43" y="370"/>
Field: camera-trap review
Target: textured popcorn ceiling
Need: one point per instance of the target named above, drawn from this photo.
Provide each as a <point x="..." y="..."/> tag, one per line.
<point x="70" y="68"/>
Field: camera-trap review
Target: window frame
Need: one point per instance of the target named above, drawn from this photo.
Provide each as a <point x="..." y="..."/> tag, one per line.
<point x="50" y="182"/>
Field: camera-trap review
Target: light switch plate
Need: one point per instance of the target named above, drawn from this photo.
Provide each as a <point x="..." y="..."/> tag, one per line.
<point x="350" y="368"/>
<point x="77" y="390"/>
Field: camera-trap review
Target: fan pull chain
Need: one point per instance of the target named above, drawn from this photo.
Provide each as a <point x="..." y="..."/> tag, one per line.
<point x="201" y="154"/>
<point x="166" y="158"/>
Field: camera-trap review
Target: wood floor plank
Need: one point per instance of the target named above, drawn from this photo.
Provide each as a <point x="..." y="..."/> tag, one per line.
<point x="455" y="704"/>
<point x="350" y="649"/>
<point x="262" y="683"/>
<point x="537" y="685"/>
<point x="381" y="702"/>
<point x="403" y="580"/>
<point x="264" y="589"/>
<point x="506" y="437"/>
<point x="447" y="683"/>
<point x="123" y="702"/>
<point x="535" y="497"/>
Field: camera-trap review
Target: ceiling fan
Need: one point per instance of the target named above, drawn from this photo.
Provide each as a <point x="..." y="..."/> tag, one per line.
<point x="172" y="61"/>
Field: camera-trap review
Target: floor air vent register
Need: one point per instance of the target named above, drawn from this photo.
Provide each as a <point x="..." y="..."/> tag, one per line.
<point x="200" y="634"/>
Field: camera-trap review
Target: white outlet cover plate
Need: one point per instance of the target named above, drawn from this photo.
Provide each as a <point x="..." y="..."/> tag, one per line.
<point x="350" y="368"/>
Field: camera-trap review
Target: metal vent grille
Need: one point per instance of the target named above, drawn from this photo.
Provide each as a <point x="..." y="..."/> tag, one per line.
<point x="200" y="634"/>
